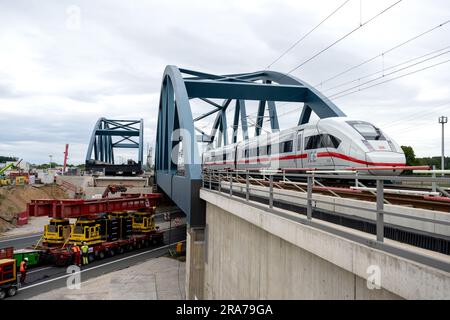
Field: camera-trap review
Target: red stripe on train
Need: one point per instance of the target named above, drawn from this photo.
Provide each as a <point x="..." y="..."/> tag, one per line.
<point x="344" y="157"/>
<point x="320" y="155"/>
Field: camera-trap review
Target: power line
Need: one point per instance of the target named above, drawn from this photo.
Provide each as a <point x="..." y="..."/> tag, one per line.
<point x="392" y="79"/>
<point x="307" y="34"/>
<point x="383" y="53"/>
<point x="386" y="75"/>
<point x="380" y="71"/>
<point x="414" y="115"/>
<point x="340" y="39"/>
<point x="339" y="95"/>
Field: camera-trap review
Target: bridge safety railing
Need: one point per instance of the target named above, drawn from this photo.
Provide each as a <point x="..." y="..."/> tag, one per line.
<point x="254" y="182"/>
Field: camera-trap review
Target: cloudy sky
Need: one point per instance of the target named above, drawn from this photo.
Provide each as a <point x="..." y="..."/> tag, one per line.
<point x="64" y="64"/>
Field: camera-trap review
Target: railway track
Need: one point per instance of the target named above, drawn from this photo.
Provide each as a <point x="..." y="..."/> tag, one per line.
<point x="415" y="237"/>
<point x="343" y="190"/>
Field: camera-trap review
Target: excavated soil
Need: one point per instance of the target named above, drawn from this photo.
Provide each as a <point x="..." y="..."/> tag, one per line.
<point x="14" y="199"/>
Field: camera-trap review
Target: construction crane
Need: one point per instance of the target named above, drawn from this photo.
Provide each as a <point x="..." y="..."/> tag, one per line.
<point x="3" y="180"/>
<point x="66" y="155"/>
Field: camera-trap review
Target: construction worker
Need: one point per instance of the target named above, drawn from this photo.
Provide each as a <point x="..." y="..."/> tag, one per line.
<point x="76" y="254"/>
<point x="85" y="253"/>
<point x="23" y="270"/>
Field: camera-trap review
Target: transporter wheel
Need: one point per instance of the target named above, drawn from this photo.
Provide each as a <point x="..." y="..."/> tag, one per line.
<point x="120" y="250"/>
<point x="12" y="291"/>
<point x="111" y="252"/>
<point x="2" y="294"/>
<point x="146" y="243"/>
<point x="138" y="245"/>
<point x="101" y="255"/>
<point x="91" y="258"/>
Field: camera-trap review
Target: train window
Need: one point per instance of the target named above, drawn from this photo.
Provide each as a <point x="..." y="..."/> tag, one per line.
<point x="329" y="141"/>
<point x="246" y="153"/>
<point x="262" y="150"/>
<point x="269" y="150"/>
<point x="224" y="156"/>
<point x="286" y="146"/>
<point x="312" y="142"/>
<point x="321" y="141"/>
<point x="367" y="130"/>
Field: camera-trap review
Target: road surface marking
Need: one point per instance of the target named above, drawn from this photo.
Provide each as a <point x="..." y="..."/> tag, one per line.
<point x="36" y="270"/>
<point x="99" y="266"/>
<point x="13" y="239"/>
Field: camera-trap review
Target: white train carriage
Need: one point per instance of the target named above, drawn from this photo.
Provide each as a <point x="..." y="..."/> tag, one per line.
<point x="330" y="144"/>
<point x="220" y="158"/>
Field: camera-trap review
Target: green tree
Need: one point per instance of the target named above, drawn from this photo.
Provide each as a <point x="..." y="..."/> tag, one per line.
<point x="409" y="155"/>
<point x="4" y="159"/>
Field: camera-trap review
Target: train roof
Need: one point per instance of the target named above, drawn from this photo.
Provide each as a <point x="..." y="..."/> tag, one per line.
<point x="264" y="136"/>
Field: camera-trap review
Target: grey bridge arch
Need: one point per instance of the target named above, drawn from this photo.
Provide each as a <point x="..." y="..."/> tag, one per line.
<point x="176" y="125"/>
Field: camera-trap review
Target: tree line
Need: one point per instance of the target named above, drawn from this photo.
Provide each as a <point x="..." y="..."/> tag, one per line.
<point x="411" y="159"/>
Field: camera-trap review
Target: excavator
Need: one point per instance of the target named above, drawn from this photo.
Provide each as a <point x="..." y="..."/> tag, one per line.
<point x="4" y="181"/>
<point x="113" y="188"/>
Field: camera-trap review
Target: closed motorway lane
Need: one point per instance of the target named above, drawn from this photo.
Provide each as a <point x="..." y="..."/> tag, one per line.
<point x="20" y="242"/>
<point x="44" y="279"/>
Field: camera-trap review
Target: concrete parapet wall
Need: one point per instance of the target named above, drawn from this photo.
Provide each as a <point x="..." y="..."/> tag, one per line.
<point x="256" y="254"/>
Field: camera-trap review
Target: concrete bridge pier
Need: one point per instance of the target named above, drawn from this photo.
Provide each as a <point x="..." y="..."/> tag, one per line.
<point x="195" y="263"/>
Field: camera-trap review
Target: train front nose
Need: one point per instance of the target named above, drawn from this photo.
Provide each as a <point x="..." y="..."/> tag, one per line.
<point x="386" y="160"/>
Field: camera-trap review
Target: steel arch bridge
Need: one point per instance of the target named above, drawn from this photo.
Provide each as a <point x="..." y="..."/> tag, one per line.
<point x="109" y="135"/>
<point x="176" y="125"/>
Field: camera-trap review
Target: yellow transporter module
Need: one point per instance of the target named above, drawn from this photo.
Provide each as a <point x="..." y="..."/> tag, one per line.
<point x="57" y="231"/>
<point x="86" y="230"/>
<point x="143" y="221"/>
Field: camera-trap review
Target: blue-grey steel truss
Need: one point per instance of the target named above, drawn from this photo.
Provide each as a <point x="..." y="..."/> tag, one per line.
<point x="129" y="133"/>
<point x="267" y="87"/>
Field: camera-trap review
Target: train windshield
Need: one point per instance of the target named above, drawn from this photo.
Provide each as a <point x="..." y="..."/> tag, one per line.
<point x="367" y="130"/>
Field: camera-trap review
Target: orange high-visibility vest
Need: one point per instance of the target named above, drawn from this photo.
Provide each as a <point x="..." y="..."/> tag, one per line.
<point x="23" y="268"/>
<point x="76" y="249"/>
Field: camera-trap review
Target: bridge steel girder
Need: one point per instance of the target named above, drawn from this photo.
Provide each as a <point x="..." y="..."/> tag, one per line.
<point x="266" y="86"/>
<point x="101" y="146"/>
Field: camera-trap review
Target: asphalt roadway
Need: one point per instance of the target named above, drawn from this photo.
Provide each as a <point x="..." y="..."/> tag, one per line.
<point x="46" y="278"/>
<point x="20" y="242"/>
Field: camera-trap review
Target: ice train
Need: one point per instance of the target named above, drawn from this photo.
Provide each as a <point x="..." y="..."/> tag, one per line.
<point x="335" y="143"/>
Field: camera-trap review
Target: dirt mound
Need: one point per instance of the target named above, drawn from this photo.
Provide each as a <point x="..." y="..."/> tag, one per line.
<point x="14" y="199"/>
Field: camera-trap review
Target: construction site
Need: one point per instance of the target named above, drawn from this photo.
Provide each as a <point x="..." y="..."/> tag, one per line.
<point x="161" y="151"/>
<point x="111" y="208"/>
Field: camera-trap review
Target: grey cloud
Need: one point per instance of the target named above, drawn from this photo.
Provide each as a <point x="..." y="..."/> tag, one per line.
<point x="122" y="48"/>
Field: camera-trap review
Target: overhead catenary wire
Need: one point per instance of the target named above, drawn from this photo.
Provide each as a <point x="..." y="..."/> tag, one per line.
<point x="306" y="35"/>
<point x="428" y="110"/>
<point x="384" y="52"/>
<point x="342" y="94"/>
<point x="340" y="39"/>
<point x="387" y="74"/>
<point x="386" y="69"/>
<point x="392" y="79"/>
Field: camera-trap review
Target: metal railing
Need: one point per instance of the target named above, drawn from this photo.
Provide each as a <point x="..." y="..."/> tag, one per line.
<point x="224" y="181"/>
